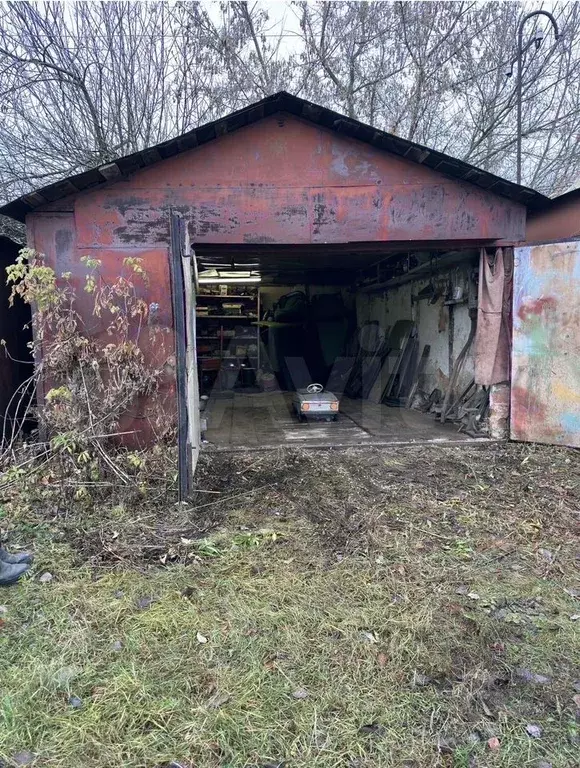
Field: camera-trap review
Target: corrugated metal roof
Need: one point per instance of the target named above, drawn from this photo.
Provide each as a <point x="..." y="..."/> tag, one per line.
<point x="279" y="102"/>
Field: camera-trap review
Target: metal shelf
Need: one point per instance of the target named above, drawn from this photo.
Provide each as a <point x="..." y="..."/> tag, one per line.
<point x="223" y="298"/>
<point x="226" y="317"/>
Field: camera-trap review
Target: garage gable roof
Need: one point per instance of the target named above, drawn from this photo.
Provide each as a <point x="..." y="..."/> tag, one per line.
<point x="279" y="102"/>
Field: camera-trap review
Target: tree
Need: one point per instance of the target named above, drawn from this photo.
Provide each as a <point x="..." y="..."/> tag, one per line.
<point x="82" y="83"/>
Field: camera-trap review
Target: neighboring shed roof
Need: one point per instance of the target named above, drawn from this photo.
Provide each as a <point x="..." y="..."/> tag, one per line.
<point x="279" y="102"/>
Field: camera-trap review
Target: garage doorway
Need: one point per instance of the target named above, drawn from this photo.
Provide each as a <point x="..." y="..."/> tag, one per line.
<point x="380" y="331"/>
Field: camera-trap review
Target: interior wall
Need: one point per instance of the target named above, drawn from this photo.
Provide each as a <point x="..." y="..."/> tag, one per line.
<point x="434" y="322"/>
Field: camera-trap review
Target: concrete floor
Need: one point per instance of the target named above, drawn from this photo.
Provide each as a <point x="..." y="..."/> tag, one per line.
<point x="266" y="420"/>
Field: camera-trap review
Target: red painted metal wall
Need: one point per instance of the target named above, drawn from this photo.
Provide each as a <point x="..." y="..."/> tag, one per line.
<point x="55" y="235"/>
<point x="284" y="180"/>
<point x="279" y="181"/>
<point x="561" y="221"/>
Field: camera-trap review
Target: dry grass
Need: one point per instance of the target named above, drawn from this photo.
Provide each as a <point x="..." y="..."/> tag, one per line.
<point x="396" y="593"/>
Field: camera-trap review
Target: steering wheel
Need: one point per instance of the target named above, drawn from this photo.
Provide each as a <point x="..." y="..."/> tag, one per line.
<point x="314" y="389"/>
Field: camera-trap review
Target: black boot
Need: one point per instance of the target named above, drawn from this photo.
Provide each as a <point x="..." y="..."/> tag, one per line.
<point x="10" y="573"/>
<point x="23" y="557"/>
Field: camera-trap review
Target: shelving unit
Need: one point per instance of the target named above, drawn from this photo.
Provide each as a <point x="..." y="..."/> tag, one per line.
<point x="228" y="345"/>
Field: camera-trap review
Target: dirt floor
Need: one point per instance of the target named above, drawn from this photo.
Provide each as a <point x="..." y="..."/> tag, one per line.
<point x="398" y="608"/>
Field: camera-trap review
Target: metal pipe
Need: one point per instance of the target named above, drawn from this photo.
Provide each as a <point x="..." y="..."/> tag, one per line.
<point x="519" y="81"/>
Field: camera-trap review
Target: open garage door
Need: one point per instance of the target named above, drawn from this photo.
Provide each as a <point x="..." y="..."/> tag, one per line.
<point x="545" y="399"/>
<point x="183" y="292"/>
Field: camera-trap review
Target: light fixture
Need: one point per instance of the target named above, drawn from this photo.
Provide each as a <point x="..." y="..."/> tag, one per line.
<point x="229" y="280"/>
<point x="538" y="38"/>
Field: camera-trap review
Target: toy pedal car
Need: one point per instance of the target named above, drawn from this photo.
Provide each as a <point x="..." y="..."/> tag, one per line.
<point x="315" y="402"/>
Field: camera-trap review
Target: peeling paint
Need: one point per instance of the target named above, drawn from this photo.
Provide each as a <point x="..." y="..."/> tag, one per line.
<point x="545" y="399"/>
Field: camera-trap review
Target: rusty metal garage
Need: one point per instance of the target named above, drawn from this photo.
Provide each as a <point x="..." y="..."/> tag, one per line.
<point x="304" y="198"/>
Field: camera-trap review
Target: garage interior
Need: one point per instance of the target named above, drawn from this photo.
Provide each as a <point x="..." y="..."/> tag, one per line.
<point x="389" y="332"/>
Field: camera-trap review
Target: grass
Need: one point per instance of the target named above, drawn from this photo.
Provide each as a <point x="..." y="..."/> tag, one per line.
<point x="353" y="609"/>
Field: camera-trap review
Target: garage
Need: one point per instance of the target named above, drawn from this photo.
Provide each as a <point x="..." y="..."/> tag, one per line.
<point x="288" y="245"/>
<point x="380" y="332"/>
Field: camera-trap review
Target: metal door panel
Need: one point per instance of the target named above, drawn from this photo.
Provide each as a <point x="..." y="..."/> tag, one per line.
<point x="545" y="394"/>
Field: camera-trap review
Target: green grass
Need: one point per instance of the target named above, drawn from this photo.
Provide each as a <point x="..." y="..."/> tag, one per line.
<point x="354" y="626"/>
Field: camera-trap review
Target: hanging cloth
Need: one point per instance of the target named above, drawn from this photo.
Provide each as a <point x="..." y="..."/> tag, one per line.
<point x="493" y="339"/>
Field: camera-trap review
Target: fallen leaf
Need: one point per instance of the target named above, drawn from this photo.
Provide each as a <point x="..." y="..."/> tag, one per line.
<point x="462" y="590"/>
<point x="382" y="660"/>
<point x="201" y="638"/>
<point x="218" y="700"/>
<point x="473" y="596"/>
<point x="370" y="637"/>
<point x="494" y="744"/>
<point x="576" y="699"/>
<point x="546" y="554"/>
<point x="143" y="603"/>
<point x="573" y="592"/>
<point x="117" y="646"/>
<point x="114" y="535"/>
<point x="420" y="681"/>
<point x="46" y="578"/>
<point x="3" y="609"/>
<point x="534" y="731"/>
<point x="300" y="694"/>
<point x="75" y="702"/>
<point x="187" y="542"/>
<point x="575" y="617"/>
